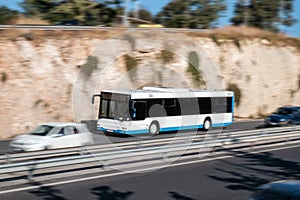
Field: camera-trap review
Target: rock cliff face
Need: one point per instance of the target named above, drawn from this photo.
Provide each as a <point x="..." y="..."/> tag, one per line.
<point x="53" y="79"/>
<point x="267" y="75"/>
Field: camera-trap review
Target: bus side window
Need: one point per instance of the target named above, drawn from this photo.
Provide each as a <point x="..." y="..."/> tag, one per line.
<point x="205" y="105"/>
<point x="170" y="107"/>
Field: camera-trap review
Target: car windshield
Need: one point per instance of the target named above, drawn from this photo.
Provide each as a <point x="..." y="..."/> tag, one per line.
<point x="283" y="111"/>
<point x="42" y="130"/>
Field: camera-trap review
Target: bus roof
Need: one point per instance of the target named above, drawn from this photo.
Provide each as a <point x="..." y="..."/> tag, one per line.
<point x="161" y="92"/>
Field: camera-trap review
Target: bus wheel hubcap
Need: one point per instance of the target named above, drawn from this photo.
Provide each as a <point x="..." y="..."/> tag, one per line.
<point x="207" y="124"/>
<point x="153" y="129"/>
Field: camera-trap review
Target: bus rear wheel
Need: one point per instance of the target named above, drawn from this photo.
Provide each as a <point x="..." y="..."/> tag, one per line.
<point x="207" y="124"/>
<point x="154" y="128"/>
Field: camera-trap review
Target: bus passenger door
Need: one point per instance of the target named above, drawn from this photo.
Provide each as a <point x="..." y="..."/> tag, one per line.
<point x="140" y="110"/>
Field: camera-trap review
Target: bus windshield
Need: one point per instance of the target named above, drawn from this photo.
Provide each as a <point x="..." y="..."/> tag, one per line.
<point x="114" y="110"/>
<point x="118" y="110"/>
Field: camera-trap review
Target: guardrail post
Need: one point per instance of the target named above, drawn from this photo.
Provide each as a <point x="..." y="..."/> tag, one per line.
<point x="81" y="150"/>
<point x="264" y="132"/>
<point x="188" y="141"/>
<point x="287" y="139"/>
<point x="104" y="165"/>
<point x="7" y="158"/>
<point x="252" y="144"/>
<point x="140" y="143"/>
<point x="213" y="149"/>
<point x="165" y="156"/>
<point x="31" y="168"/>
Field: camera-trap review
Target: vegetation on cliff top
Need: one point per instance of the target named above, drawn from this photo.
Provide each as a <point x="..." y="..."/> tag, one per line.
<point x="219" y="36"/>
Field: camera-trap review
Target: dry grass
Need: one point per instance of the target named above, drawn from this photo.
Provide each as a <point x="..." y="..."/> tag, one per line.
<point x="228" y="32"/>
<point x="234" y="34"/>
<point x="21" y="19"/>
<point x="41" y="35"/>
<point x="237" y="34"/>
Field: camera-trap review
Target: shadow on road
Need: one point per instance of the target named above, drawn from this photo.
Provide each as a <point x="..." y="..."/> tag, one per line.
<point x="48" y="193"/>
<point x="178" y="196"/>
<point x="254" y="170"/>
<point x="106" y="193"/>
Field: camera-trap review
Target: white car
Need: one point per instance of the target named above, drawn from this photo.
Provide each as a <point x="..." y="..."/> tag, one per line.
<point x="53" y="135"/>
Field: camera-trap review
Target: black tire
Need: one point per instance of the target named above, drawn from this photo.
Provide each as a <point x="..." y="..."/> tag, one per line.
<point x="289" y="123"/>
<point x="154" y="128"/>
<point x="207" y="124"/>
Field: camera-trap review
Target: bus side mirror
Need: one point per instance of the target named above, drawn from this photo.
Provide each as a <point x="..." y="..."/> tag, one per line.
<point x="93" y="97"/>
<point x="132" y="105"/>
<point x="133" y="110"/>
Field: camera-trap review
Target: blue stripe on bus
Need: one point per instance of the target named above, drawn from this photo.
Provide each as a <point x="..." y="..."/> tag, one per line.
<point x="142" y="131"/>
<point x="232" y="111"/>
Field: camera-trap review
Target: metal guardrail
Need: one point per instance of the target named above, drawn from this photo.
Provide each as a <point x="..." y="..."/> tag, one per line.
<point x="57" y="27"/>
<point x="183" y="137"/>
<point x="156" y="152"/>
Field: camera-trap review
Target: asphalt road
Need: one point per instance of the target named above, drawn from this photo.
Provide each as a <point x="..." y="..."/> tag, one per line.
<point x="232" y="178"/>
<point x="101" y="138"/>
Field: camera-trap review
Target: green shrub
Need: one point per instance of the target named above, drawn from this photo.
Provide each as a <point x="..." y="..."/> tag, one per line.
<point x="215" y="39"/>
<point x="28" y="36"/>
<point x="193" y="69"/>
<point x="88" y="67"/>
<point x="166" y="56"/>
<point x="130" y="62"/>
<point x="292" y="93"/>
<point x="237" y="93"/>
<point x="3" y="77"/>
<point x="38" y="102"/>
<point x="237" y="43"/>
<point x="299" y="82"/>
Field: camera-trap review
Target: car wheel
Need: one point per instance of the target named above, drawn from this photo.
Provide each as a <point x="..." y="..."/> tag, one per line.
<point x="289" y="123"/>
<point x="154" y="128"/>
<point x="207" y="124"/>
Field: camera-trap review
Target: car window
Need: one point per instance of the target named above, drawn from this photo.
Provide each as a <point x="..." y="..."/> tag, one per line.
<point x="61" y="132"/>
<point x="295" y="112"/>
<point x="42" y="130"/>
<point x="283" y="111"/>
<point x="70" y="130"/>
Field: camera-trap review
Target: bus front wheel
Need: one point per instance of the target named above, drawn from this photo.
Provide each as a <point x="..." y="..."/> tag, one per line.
<point x="207" y="124"/>
<point x="154" y="128"/>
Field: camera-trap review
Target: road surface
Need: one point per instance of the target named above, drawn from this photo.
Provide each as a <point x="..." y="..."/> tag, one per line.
<point x="230" y="178"/>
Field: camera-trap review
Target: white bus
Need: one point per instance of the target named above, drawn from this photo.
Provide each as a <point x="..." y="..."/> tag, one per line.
<point x="153" y="110"/>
